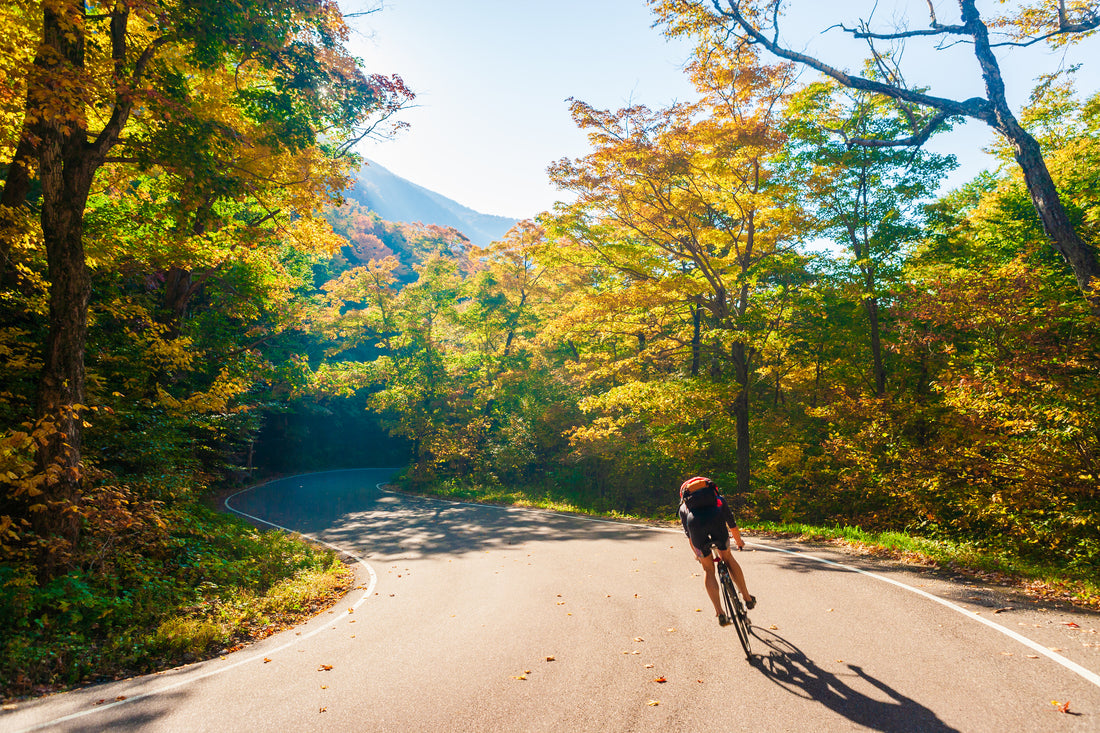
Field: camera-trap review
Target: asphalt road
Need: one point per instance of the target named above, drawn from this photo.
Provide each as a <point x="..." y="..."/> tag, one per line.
<point x="481" y="618"/>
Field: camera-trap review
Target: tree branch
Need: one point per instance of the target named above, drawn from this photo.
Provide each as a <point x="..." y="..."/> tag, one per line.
<point x="975" y="107"/>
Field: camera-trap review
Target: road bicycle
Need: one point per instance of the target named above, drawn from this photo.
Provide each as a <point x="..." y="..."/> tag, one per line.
<point x="733" y="602"/>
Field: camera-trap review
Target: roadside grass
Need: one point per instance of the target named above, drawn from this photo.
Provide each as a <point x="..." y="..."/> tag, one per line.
<point x="1044" y="581"/>
<point x="214" y="584"/>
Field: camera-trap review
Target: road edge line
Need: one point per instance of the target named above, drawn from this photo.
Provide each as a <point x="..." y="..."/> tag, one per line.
<point x="191" y="679"/>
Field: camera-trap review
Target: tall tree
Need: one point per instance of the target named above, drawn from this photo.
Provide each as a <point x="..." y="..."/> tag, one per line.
<point x="118" y="81"/>
<point x="866" y="199"/>
<point x="758" y="22"/>
<point x="680" y="206"/>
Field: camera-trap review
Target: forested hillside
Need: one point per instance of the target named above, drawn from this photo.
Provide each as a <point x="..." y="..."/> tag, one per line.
<point x="754" y="286"/>
<point x="395" y="199"/>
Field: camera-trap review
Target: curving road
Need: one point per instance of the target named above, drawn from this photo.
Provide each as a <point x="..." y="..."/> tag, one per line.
<point x="484" y="618"/>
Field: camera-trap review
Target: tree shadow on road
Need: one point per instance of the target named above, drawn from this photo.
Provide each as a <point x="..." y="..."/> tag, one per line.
<point x="788" y="667"/>
<point x="346" y="509"/>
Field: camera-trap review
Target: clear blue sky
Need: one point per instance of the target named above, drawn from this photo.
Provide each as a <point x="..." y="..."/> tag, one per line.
<point x="492" y="77"/>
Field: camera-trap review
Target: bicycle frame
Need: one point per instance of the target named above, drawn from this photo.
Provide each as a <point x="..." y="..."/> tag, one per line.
<point x="732" y="601"/>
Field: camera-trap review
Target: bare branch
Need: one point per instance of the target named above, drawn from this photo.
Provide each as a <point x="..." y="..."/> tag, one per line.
<point x="975" y="107"/>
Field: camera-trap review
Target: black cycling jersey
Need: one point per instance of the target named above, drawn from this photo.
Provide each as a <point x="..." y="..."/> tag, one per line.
<point x="707" y="525"/>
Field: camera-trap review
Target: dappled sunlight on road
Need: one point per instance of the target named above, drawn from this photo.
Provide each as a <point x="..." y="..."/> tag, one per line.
<point x="346" y="508"/>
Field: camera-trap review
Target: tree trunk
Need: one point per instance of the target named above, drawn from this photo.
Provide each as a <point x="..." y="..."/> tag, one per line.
<point x="1063" y="237"/>
<point x="696" y="338"/>
<point x="66" y="167"/>
<point x="878" y="370"/>
<point x="741" y="417"/>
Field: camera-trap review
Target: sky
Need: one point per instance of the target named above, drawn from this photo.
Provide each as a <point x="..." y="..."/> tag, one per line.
<point x="492" y="79"/>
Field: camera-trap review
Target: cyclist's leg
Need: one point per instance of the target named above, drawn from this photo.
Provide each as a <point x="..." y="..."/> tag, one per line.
<point x="711" y="582"/>
<point x="735" y="571"/>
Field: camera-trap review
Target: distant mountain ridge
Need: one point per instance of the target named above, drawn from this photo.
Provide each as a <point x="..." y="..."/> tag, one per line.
<point x="398" y="200"/>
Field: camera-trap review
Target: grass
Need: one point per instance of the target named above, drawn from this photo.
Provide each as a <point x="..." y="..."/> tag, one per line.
<point x="209" y="585"/>
<point x="1045" y="581"/>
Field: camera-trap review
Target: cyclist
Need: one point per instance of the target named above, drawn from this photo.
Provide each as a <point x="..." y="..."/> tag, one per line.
<point x="704" y="513"/>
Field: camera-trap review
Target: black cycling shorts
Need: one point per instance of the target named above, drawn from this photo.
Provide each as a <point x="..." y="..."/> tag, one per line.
<point x="705" y="527"/>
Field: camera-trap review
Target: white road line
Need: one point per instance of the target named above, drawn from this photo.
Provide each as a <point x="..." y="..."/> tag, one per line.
<point x="1054" y="656"/>
<point x="195" y="678"/>
<point x="1069" y="664"/>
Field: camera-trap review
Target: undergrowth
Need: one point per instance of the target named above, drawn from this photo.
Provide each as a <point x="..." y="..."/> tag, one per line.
<point x="1049" y="581"/>
<point x="215" y="584"/>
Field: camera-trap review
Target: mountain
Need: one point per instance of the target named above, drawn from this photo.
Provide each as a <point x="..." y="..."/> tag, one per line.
<point x="395" y="199"/>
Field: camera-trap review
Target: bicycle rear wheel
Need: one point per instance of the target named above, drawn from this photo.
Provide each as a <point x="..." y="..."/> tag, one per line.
<point x="735" y="610"/>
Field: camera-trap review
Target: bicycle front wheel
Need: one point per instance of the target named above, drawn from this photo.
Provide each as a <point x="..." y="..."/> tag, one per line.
<point x="736" y="612"/>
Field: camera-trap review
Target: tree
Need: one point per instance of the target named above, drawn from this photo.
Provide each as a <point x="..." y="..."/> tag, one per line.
<point x="679" y="211"/>
<point x="121" y="83"/>
<point x="866" y="199"/>
<point x="757" y="22"/>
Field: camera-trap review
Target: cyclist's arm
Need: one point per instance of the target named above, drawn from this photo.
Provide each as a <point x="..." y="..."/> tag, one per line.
<point x="727" y="516"/>
<point x="727" y="513"/>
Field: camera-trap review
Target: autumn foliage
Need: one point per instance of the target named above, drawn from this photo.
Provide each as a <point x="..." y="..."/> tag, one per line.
<point x="730" y="287"/>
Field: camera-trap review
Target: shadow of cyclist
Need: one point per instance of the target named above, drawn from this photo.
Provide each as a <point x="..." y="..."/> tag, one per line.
<point x="785" y="665"/>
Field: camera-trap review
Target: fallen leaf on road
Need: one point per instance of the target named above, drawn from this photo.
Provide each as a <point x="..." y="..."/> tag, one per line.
<point x="1054" y="648"/>
<point x="649" y="666"/>
<point x="653" y="703"/>
<point x="1070" y="624"/>
<point x="1063" y="707"/>
<point x="670" y="629"/>
<point x="324" y="668"/>
<point x="549" y="659"/>
<point x="638" y="638"/>
<point x="1006" y="654"/>
<point x="1032" y="656"/>
<point x="100" y="701"/>
<point x="698" y="610"/>
<point x="659" y="679"/>
<point x="773" y="627"/>
<point x="829" y="611"/>
<point x="519" y="676"/>
<point x="123" y="697"/>
<point x="266" y="660"/>
<point x="322" y="710"/>
<point x="1002" y="610"/>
